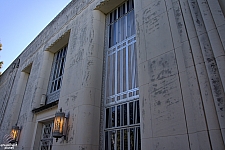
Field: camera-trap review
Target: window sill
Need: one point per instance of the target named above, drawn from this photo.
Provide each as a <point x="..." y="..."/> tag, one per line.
<point x="45" y="107"/>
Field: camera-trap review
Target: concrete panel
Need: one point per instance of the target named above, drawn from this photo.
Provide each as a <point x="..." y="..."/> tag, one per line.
<point x="184" y="56"/>
<point x="206" y="14"/>
<point x="194" y="109"/>
<point x="196" y="51"/>
<point x="199" y="141"/>
<point x="188" y="20"/>
<point x="145" y="112"/>
<point x="167" y="110"/>
<point x="177" y="24"/>
<point x="217" y="12"/>
<point x="177" y="142"/>
<point x="84" y="96"/>
<point x="207" y="97"/>
<point x="92" y="73"/>
<point x="140" y="44"/>
<point x="88" y="116"/>
<point x="155" y="26"/>
<point x="216" y="139"/>
<point x="161" y="67"/>
<point x="143" y="76"/>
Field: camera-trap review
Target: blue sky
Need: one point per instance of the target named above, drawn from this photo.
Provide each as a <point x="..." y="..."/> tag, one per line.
<point x="21" y="21"/>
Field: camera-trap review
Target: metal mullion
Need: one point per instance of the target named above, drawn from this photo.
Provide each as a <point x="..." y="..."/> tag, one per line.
<point x="121" y="139"/>
<point x="127" y="69"/>
<point x="135" y="66"/>
<point x="110" y="76"/>
<point x="132" y="66"/>
<point x="115" y="139"/>
<point x="115" y="115"/>
<point x="128" y="113"/>
<point x="116" y="62"/>
<point x="136" y="111"/>
<point x="121" y="72"/>
<point x="106" y="82"/>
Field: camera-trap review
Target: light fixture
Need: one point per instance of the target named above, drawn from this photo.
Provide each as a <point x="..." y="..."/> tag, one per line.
<point x="60" y="125"/>
<point x="15" y="133"/>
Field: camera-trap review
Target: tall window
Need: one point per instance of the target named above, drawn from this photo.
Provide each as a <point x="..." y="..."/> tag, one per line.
<point x="122" y="114"/>
<point x="46" y="137"/>
<point x="56" y="75"/>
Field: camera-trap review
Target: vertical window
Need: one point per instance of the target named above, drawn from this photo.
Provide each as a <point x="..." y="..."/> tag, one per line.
<point x="56" y="75"/>
<point x="122" y="114"/>
<point x="46" y="137"/>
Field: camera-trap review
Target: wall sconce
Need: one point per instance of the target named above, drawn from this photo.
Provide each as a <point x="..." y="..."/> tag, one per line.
<point x="15" y="133"/>
<point x="60" y="125"/>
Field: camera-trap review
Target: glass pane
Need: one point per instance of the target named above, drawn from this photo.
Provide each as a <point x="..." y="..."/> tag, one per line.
<point x="130" y="24"/>
<point x="118" y="140"/>
<point x="118" y="116"/>
<point x="131" y="113"/>
<point x="138" y="112"/>
<point x="113" y="116"/>
<point x="125" y="114"/>
<point x="132" y="139"/>
<point x="125" y="140"/>
<point x="139" y="138"/>
<point x="108" y="117"/>
<point x="106" y="140"/>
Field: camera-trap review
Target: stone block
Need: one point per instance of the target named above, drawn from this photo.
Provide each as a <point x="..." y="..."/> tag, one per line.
<point x="140" y="45"/>
<point x="88" y="121"/>
<point x="143" y="76"/>
<point x="184" y="56"/>
<point x="154" y="27"/>
<point x="168" y="143"/>
<point x="217" y="13"/>
<point x="167" y="109"/>
<point x="216" y="44"/>
<point x="161" y="67"/>
<point x="206" y="14"/>
<point x="216" y="139"/>
<point x="199" y="140"/>
<point x="145" y="112"/>
<point x="193" y="104"/>
<point x="177" y="24"/>
<point x="92" y="73"/>
<point x="196" y="51"/>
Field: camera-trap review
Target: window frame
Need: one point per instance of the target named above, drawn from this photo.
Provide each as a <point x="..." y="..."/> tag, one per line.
<point x="55" y="80"/>
<point x="134" y="98"/>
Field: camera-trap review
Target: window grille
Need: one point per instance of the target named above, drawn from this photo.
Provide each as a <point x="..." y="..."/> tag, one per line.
<point x="121" y="75"/>
<point x="122" y="113"/>
<point x="46" y="137"/>
<point x="56" y="75"/>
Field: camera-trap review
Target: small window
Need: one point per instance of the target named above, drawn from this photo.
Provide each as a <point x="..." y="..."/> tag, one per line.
<point x="56" y="75"/>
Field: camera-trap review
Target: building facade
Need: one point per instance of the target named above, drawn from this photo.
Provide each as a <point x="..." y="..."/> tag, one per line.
<point x="128" y="74"/>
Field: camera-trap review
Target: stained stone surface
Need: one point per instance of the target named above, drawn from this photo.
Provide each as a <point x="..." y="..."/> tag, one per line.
<point x="181" y="66"/>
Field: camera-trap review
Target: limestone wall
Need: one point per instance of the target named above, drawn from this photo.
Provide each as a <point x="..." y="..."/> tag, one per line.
<point x="181" y="73"/>
<point x="180" y="47"/>
<point x="81" y="90"/>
